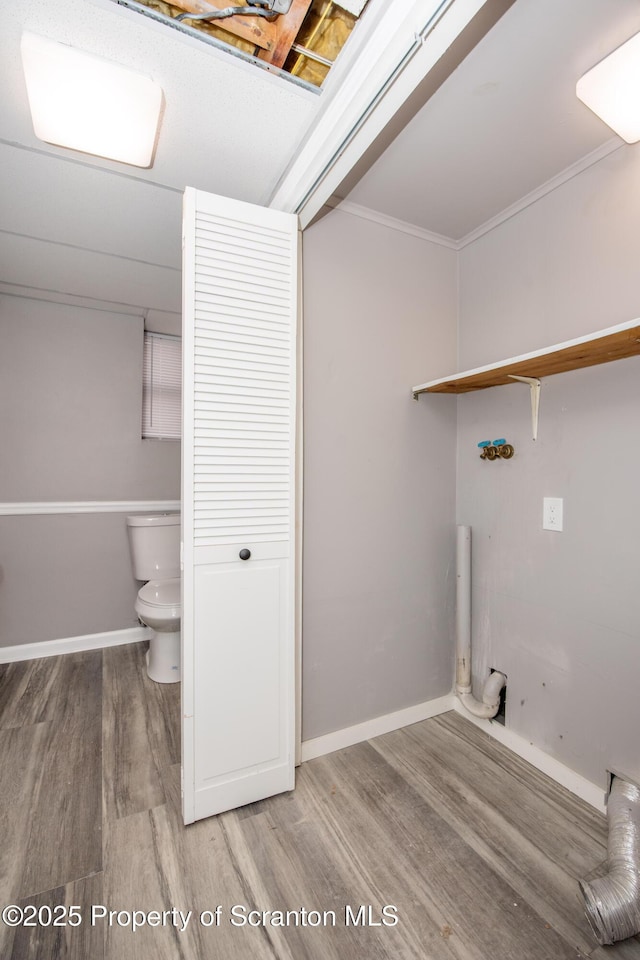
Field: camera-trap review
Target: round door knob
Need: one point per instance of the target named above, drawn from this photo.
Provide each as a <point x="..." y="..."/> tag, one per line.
<point x="244" y="554"/>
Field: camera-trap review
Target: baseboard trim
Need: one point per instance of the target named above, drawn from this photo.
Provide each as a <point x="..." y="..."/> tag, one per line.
<point x="319" y="746"/>
<point x="348" y="736"/>
<point x="90" y="641"/>
<point x="49" y="508"/>
<point x="587" y="791"/>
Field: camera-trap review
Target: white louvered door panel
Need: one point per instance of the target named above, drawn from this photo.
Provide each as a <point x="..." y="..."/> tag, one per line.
<point x="238" y="472"/>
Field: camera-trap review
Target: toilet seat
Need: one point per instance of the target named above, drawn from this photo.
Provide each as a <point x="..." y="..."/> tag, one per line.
<point x="161" y="593"/>
<point x="158" y="605"/>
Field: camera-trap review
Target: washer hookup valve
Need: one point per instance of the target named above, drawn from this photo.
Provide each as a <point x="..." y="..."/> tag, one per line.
<point x="499" y="448"/>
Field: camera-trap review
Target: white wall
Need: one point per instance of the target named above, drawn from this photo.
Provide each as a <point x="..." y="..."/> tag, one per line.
<point x="379" y="472"/>
<point x="70" y="421"/>
<point x="559" y="613"/>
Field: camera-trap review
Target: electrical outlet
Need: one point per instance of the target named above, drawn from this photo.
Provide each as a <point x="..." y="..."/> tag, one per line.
<point x="552" y="514"/>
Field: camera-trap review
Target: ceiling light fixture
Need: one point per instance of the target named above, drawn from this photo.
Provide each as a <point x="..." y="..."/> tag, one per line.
<point x="90" y="104"/>
<point x="612" y="90"/>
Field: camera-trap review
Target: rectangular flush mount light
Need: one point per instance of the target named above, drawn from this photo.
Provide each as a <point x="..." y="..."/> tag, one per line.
<point x="612" y="90"/>
<point x="90" y="104"/>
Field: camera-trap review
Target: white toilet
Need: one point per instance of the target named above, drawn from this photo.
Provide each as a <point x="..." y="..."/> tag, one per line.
<point x="154" y="541"/>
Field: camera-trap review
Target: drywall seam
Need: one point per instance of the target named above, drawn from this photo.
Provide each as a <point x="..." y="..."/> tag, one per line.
<point x="54" y="508"/>
<point x="42" y="294"/>
<point x="83" y="249"/>
<point x="319" y="746"/>
<point x="90" y="641"/>
<point x="587" y="791"/>
<point x="122" y="174"/>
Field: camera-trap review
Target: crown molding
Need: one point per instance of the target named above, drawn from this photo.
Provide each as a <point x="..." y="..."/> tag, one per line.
<point x="548" y="187"/>
<point x="365" y="213"/>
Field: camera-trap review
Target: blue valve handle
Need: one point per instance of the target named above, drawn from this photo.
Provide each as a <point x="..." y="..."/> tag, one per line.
<point x="485" y="443"/>
<point x="498" y="443"/>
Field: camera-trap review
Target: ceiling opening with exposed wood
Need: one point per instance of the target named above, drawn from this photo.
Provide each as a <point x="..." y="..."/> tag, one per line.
<point x="300" y="37"/>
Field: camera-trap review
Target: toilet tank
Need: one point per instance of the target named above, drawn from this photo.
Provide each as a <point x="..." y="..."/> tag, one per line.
<point x="154" y="542"/>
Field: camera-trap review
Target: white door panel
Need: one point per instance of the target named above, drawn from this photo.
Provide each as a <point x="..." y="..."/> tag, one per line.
<point x="239" y="394"/>
<point x="240" y="609"/>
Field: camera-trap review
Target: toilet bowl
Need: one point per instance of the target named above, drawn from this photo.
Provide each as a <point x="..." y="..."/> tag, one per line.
<point x="158" y="606"/>
<point x="154" y="541"/>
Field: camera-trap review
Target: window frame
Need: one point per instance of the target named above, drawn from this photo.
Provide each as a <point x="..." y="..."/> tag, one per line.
<point x="161" y="417"/>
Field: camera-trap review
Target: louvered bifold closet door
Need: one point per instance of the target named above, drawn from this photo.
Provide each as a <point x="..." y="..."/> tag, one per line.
<point x="239" y="403"/>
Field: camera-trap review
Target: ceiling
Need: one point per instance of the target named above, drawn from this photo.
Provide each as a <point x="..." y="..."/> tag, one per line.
<point x="78" y="225"/>
<point x="75" y="226"/>
<point x="504" y="123"/>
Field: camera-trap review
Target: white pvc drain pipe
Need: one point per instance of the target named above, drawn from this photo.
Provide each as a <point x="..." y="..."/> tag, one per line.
<point x="613" y="902"/>
<point x="490" y="704"/>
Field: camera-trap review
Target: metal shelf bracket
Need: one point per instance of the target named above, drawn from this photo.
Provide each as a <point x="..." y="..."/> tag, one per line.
<point x="534" y="385"/>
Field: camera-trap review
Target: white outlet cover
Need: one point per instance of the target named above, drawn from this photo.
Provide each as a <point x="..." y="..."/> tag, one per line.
<point x="552" y="511"/>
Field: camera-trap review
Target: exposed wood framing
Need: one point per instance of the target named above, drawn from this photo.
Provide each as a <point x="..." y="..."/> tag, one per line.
<point x="287" y="28"/>
<point x="263" y="33"/>
<point x="273" y="37"/>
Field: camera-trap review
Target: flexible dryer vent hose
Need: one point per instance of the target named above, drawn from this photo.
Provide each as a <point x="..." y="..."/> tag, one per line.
<point x="613" y="902"/>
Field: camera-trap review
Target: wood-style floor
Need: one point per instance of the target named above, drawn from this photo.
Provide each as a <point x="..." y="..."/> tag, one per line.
<point x="478" y="852"/>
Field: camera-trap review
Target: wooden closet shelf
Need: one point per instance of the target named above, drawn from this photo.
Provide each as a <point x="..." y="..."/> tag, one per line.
<point x="612" y="343"/>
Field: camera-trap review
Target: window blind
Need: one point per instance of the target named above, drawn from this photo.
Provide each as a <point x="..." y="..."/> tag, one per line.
<point x="161" y="387"/>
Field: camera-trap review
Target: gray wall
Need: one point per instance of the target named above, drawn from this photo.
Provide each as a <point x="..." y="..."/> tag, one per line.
<point x="70" y="401"/>
<point x="558" y="612"/>
<point x="379" y="472"/>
